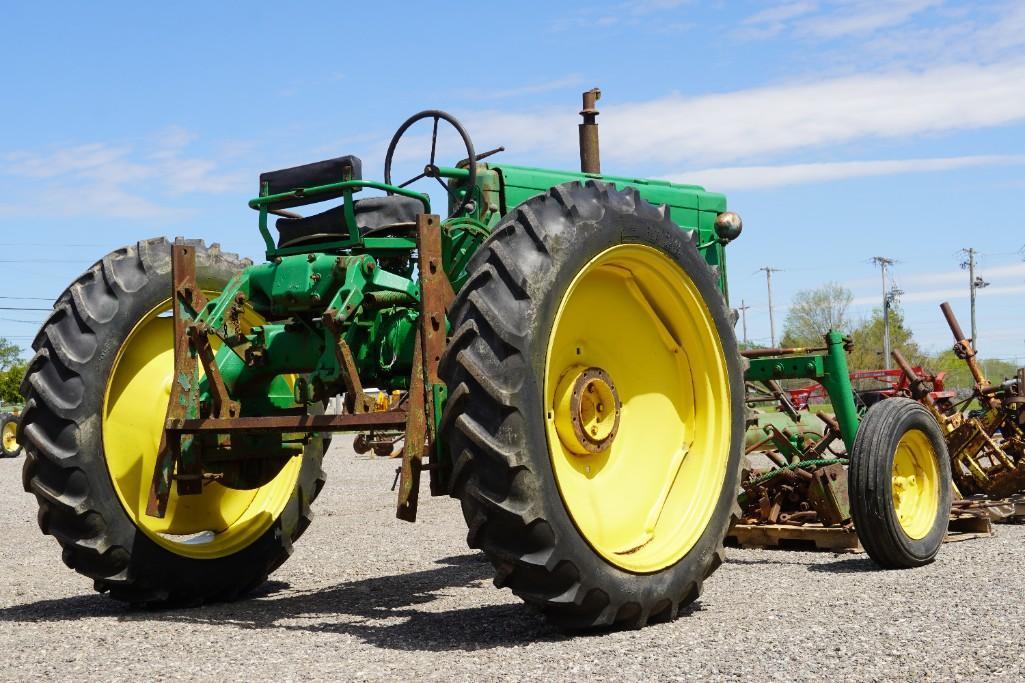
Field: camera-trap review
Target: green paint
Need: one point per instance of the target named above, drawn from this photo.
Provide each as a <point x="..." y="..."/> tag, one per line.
<point x="370" y="286"/>
<point x="829" y="368"/>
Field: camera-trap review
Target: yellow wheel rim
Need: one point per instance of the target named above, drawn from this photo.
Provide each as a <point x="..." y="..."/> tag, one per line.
<point x="916" y="484"/>
<point x="10" y="436"/>
<point x="220" y="521"/>
<point x="641" y="477"/>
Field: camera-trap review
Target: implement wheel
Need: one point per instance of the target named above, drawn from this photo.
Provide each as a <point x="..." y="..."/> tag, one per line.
<point x="900" y="484"/>
<point x="595" y="418"/>
<point x="9" y="446"/>
<point x="96" y="394"/>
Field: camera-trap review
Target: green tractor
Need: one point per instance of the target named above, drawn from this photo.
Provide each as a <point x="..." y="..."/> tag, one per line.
<point x="556" y="350"/>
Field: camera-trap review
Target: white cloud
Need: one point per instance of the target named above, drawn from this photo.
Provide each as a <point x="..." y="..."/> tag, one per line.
<point x="569" y="81"/>
<point x="937" y="286"/>
<point x="991" y="273"/>
<point x="773" y="20"/>
<point x="834" y="19"/>
<point x="650" y="6"/>
<point x="940" y="295"/>
<point x="627" y="13"/>
<point x="114" y="180"/>
<point x="681" y="130"/>
<point x="865" y="16"/>
<point x="759" y="177"/>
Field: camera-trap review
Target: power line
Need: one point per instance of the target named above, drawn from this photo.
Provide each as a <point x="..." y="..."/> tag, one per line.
<point x="23" y="308"/>
<point x="29" y="298"/>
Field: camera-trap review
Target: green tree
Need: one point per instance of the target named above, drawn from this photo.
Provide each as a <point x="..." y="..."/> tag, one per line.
<point x="868" y="341"/>
<point x="12" y="370"/>
<point x="813" y="312"/>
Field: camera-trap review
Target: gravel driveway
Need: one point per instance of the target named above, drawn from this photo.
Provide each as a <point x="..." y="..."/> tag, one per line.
<point x="367" y="597"/>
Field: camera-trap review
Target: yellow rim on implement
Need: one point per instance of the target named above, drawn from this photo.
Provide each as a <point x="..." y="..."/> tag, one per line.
<point x="637" y="408"/>
<point x="10" y="436"/>
<point x="220" y="521"/>
<point x="916" y="484"/>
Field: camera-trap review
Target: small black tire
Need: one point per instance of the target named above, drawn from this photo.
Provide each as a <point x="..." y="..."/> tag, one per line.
<point x="872" y="484"/>
<point x="10" y="446"/>
<point x="61" y="430"/>
<point x="494" y="422"/>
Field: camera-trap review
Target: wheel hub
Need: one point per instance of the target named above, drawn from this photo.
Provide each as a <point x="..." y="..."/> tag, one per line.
<point x="915" y="484"/>
<point x="10" y="436"/>
<point x="587" y="410"/>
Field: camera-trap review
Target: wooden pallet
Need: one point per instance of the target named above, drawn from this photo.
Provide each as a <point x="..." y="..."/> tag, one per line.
<point x="790" y="537"/>
<point x="968" y="527"/>
<point x="835" y="539"/>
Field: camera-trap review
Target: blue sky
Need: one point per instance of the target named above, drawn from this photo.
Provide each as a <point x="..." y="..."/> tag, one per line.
<point x="839" y="129"/>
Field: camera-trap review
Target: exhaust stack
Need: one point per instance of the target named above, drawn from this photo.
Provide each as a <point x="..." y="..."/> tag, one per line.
<point x="590" y="161"/>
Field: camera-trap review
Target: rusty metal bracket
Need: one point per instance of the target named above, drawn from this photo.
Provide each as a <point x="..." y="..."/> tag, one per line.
<point x="223" y="406"/>
<point x="356" y="398"/>
<point x="183" y="402"/>
<point x="416" y="440"/>
<point x="425" y="386"/>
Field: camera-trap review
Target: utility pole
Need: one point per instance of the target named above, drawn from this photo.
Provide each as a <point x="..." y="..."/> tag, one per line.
<point x="769" y="270"/>
<point x="888" y="298"/>
<point x="743" y="317"/>
<point x="974" y="282"/>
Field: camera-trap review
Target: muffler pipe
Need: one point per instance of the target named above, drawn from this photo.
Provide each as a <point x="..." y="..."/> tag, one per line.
<point x="590" y="161"/>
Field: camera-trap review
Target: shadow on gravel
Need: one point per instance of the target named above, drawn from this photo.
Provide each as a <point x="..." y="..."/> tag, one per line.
<point x="853" y="565"/>
<point x="849" y="565"/>
<point x="389" y="611"/>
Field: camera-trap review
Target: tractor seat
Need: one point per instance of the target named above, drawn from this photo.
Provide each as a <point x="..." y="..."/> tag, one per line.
<point x="372" y="213"/>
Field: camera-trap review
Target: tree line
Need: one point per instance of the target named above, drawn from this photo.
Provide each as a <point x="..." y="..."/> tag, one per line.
<point x="815" y="311"/>
<point x="12" y="370"/>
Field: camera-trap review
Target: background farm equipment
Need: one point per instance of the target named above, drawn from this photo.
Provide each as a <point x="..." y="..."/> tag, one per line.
<point x="9" y="444"/>
<point x="987" y="444"/>
<point x="864" y="464"/>
<point x="872" y="386"/>
<point x="803" y="479"/>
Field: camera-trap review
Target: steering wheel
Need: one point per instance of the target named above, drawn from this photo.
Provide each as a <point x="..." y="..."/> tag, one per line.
<point x="431" y="169"/>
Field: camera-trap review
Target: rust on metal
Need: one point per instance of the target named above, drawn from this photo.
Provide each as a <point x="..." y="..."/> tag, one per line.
<point x="827" y="495"/>
<point x="183" y="401"/>
<point x="389" y="419"/>
<point x="356" y="399"/>
<point x="416" y="440"/>
<point x="223" y="406"/>
<point x="435" y="296"/>
<point x="778" y="351"/>
<point x="590" y="156"/>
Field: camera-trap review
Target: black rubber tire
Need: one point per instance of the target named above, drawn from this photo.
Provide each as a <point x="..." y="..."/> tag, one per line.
<point x="5" y="419"/>
<point x="493" y="425"/>
<point x="871" y="488"/>
<point x="61" y="431"/>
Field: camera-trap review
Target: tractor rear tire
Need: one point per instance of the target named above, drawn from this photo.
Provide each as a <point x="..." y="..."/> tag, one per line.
<point x="9" y="446"/>
<point x="899" y="484"/>
<point x="572" y="523"/>
<point x="98" y="326"/>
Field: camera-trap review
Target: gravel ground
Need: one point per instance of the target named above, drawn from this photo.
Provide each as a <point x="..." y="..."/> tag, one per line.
<point x="366" y="597"/>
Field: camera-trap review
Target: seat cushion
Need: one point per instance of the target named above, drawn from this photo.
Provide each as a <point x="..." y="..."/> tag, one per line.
<point x="371" y="213"/>
<point x="312" y="175"/>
